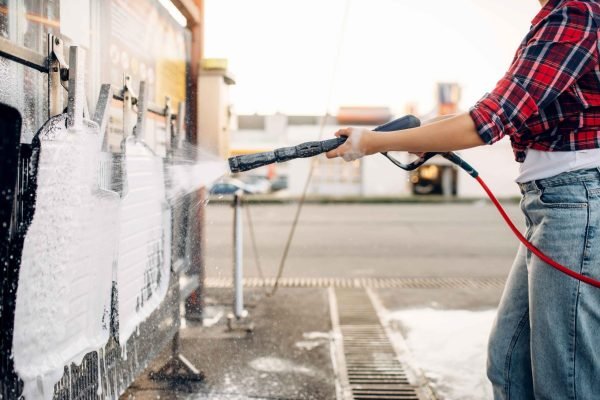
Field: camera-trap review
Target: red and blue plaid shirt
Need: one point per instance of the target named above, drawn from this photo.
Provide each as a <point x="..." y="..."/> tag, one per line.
<point x="549" y="99"/>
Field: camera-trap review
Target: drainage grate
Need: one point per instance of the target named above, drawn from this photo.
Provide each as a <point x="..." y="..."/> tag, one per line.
<point x="372" y="369"/>
<point x="362" y="283"/>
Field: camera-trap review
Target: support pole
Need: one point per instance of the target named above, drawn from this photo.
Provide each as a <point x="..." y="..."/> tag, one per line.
<point x="238" y="261"/>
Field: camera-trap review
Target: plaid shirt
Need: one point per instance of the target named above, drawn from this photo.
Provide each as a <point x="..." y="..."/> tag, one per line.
<point x="549" y="99"/>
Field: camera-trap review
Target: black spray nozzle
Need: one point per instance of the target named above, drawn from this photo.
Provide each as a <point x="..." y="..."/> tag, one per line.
<point x="310" y="149"/>
<point x="283" y="154"/>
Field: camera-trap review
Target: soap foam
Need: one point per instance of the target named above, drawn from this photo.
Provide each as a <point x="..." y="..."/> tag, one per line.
<point x="63" y="296"/>
<point x="83" y="237"/>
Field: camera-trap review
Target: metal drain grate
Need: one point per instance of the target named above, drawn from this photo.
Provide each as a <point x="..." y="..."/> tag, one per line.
<point x="362" y="283"/>
<point x="370" y="362"/>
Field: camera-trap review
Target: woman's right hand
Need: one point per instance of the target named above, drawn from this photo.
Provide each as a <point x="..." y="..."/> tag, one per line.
<point x="358" y="144"/>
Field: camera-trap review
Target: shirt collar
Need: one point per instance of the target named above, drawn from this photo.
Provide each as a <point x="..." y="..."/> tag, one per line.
<point x="545" y="11"/>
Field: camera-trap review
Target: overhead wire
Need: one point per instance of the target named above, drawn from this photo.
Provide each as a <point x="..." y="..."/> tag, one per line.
<point x="252" y="233"/>
<point x="313" y="164"/>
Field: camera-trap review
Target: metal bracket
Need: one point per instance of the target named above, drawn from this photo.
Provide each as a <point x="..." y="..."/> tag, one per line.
<point x="76" y="101"/>
<point x="179" y="136"/>
<point x="243" y="324"/>
<point x="58" y="74"/>
<point x="129" y="99"/>
<point x="178" y="368"/>
<point x="168" y="125"/>
<point x="140" y="126"/>
<point x="103" y="108"/>
<point x="61" y="77"/>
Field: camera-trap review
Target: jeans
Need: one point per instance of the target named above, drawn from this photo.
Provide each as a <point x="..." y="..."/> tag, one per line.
<point x="545" y="342"/>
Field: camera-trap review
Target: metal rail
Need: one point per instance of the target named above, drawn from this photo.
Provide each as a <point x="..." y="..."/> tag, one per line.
<point x="153" y="108"/>
<point x="23" y="55"/>
<point x="39" y="62"/>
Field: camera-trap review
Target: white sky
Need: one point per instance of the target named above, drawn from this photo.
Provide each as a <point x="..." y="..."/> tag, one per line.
<point x="392" y="52"/>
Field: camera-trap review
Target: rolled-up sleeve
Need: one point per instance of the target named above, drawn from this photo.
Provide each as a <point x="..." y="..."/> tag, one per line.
<point x="561" y="49"/>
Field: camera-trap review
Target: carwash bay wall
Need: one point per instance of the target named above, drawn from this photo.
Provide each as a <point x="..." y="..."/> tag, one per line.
<point x="105" y="331"/>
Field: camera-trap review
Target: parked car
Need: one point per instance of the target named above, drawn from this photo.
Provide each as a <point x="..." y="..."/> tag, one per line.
<point x="230" y="186"/>
<point x="279" y="183"/>
<point x="257" y="183"/>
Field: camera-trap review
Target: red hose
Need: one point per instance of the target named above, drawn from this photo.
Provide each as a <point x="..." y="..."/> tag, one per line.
<point x="530" y="246"/>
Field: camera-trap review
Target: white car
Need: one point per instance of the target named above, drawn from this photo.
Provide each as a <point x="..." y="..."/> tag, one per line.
<point x="257" y="184"/>
<point x="230" y="186"/>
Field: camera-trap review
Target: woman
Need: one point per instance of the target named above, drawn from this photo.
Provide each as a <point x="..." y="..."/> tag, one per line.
<point x="545" y="343"/>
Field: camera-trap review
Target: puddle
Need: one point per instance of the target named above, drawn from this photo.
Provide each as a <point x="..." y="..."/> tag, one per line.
<point x="449" y="346"/>
<point x="313" y="340"/>
<point x="279" y="365"/>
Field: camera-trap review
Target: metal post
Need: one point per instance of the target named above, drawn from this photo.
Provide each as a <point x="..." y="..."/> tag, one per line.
<point x="238" y="263"/>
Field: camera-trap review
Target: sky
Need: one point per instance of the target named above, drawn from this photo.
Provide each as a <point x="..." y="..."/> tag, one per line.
<point x="313" y="56"/>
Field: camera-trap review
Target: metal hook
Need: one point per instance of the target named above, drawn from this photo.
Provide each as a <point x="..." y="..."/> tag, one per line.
<point x="140" y="126"/>
<point x="179" y="136"/>
<point x="168" y="124"/>
<point x="103" y="107"/>
<point x="77" y="103"/>
<point x="58" y="72"/>
<point x="129" y="99"/>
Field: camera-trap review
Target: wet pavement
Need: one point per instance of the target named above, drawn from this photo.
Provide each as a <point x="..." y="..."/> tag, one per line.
<point x="289" y="355"/>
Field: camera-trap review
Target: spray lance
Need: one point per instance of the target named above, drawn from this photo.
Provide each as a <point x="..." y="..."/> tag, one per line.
<point x="311" y="149"/>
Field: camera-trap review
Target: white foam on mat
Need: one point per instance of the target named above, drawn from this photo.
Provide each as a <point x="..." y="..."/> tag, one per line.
<point x="82" y="239"/>
<point x="63" y="298"/>
<point x="144" y="261"/>
<point x="450" y="347"/>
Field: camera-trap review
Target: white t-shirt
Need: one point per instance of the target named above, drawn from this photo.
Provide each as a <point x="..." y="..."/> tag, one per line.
<point x="544" y="164"/>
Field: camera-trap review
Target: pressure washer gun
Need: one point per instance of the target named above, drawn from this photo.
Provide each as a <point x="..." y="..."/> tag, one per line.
<point x="311" y="149"/>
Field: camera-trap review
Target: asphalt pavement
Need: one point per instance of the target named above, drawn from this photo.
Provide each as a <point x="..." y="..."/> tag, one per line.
<point x="368" y="240"/>
<point x="290" y="353"/>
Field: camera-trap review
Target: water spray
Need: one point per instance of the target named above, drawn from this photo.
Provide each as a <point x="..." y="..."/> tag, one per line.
<point x="311" y="149"/>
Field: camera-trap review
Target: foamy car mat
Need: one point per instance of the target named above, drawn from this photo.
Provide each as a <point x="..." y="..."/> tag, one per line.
<point x="144" y="257"/>
<point x="63" y="298"/>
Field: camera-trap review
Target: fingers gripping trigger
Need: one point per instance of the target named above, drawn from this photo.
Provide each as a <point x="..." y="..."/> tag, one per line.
<point x="352" y="149"/>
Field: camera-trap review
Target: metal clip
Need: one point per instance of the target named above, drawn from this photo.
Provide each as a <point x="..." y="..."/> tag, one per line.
<point x="169" y="131"/>
<point x="179" y="136"/>
<point x="140" y="126"/>
<point x="103" y="108"/>
<point x="129" y="99"/>
<point x="58" y="74"/>
<point x="77" y="103"/>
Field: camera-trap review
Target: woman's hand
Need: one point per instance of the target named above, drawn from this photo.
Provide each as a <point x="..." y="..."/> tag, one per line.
<point x="359" y="144"/>
<point x="451" y="134"/>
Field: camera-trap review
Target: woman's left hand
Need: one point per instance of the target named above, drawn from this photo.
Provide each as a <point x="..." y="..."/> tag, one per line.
<point x="358" y="144"/>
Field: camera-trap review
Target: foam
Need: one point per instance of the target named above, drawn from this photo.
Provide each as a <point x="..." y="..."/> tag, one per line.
<point x="63" y="298"/>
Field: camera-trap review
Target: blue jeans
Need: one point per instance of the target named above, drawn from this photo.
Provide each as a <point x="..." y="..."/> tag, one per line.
<point x="545" y="342"/>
